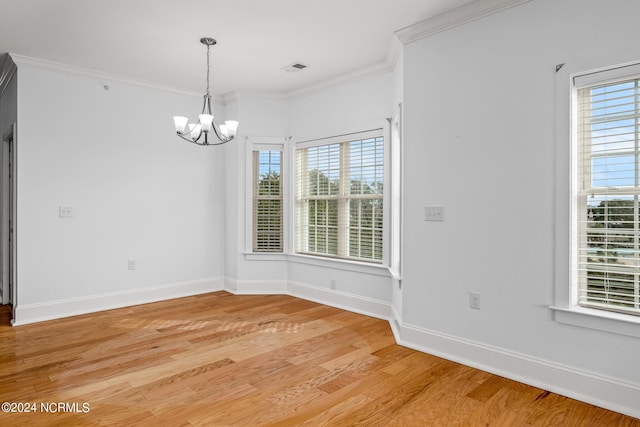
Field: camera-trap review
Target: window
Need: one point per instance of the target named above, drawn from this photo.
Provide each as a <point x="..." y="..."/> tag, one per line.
<point x="339" y="197"/>
<point x="267" y="201"/>
<point x="607" y="208"/>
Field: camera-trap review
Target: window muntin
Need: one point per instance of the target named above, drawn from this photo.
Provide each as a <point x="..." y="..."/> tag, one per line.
<point x="608" y="237"/>
<point x="339" y="199"/>
<point x="267" y="201"/>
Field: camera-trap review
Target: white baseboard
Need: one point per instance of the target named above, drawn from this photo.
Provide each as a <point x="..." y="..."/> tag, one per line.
<point x="356" y="303"/>
<point x="31" y="313"/>
<point x="255" y="287"/>
<point x="230" y="285"/>
<point x="609" y="393"/>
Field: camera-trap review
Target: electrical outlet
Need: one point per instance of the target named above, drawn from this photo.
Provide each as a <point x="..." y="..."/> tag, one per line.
<point x="434" y="213"/>
<point x="474" y="300"/>
<point x="333" y="283"/>
<point x="131" y="264"/>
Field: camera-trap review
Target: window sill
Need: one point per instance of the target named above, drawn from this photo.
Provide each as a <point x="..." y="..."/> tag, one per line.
<point x="340" y="264"/>
<point x="265" y="256"/>
<point x="601" y="320"/>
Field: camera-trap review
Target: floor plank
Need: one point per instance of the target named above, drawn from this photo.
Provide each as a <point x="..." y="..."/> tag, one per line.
<point x="224" y="360"/>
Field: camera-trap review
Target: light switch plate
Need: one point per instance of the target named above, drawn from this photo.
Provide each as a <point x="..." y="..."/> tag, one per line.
<point x="434" y="213"/>
<point x="474" y="300"/>
<point x="65" y="211"/>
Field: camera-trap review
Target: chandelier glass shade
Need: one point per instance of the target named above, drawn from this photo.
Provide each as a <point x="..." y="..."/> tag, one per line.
<point x="201" y="132"/>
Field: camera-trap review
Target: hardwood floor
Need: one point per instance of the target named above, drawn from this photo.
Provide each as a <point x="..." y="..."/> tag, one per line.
<point x="225" y="360"/>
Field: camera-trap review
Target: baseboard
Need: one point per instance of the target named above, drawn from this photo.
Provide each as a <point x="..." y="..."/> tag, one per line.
<point x="394" y="322"/>
<point x="346" y="301"/>
<point x="31" y="313"/>
<point x="255" y="287"/>
<point x="609" y="393"/>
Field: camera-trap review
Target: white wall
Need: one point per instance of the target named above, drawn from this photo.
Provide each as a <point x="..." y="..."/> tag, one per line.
<point x="348" y="107"/>
<point x="138" y="192"/>
<point x="259" y="116"/>
<point x="342" y="108"/>
<point x="479" y="139"/>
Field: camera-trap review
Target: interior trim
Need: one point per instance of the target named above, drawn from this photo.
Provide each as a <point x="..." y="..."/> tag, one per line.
<point x="454" y="18"/>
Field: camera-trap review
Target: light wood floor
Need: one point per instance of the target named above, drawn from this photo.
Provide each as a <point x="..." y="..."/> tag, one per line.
<point x="225" y="360"/>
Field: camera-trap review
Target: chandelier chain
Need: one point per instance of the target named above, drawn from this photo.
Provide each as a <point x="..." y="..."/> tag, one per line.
<point x="208" y="69"/>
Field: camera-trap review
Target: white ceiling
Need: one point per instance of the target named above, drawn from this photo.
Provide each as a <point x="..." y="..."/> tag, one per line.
<point x="158" y="40"/>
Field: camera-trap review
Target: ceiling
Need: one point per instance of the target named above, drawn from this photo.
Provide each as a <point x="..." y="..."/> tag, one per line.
<point x="157" y="41"/>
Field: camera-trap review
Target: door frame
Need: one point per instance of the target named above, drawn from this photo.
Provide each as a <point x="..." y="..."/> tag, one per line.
<point x="8" y="237"/>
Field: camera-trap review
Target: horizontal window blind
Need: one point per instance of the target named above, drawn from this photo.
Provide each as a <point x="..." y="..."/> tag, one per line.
<point x="608" y="210"/>
<point x="339" y="198"/>
<point x="267" y="201"/>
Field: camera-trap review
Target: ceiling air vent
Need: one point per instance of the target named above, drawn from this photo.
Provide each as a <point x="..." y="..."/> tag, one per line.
<point x="295" y="67"/>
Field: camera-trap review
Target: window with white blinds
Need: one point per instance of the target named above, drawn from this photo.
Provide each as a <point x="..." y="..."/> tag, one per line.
<point x="267" y="201"/>
<point x="608" y="189"/>
<point x="339" y="197"/>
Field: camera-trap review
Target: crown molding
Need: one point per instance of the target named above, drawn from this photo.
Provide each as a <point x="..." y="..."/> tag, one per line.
<point x="7" y="70"/>
<point x="459" y="16"/>
<point x="393" y="54"/>
<point x="380" y="68"/>
<point x="454" y="18"/>
<point x="386" y="66"/>
<point x="95" y="74"/>
<point x="371" y="71"/>
<point x="362" y="73"/>
<point x="238" y="96"/>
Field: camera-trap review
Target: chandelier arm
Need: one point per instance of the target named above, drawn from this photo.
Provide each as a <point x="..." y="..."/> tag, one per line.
<point x="220" y="135"/>
<point x="182" y="135"/>
<point x="211" y="143"/>
<point x="222" y="139"/>
<point x="198" y="142"/>
<point x="206" y="105"/>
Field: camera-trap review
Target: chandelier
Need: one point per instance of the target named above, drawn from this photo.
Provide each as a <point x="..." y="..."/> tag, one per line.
<point x="199" y="133"/>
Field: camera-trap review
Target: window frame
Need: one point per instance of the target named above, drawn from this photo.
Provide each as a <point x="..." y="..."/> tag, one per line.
<point x="256" y="144"/>
<point x="257" y="198"/>
<point x="342" y="198"/>
<point x="288" y="145"/>
<point x="614" y="224"/>
<point x="566" y="309"/>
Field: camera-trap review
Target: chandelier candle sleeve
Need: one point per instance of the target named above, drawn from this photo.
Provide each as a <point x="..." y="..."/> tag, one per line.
<point x="181" y="123"/>
<point x="198" y="133"/>
<point x="232" y="126"/>
<point x="206" y="120"/>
